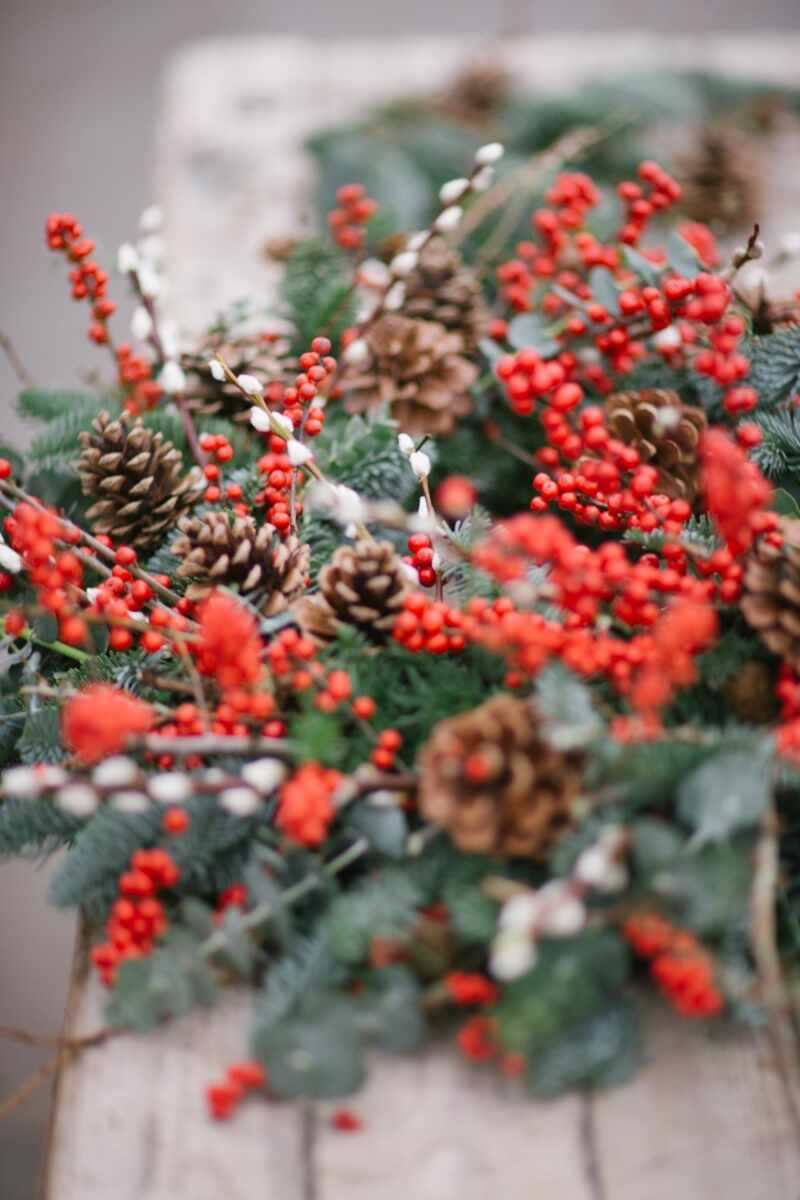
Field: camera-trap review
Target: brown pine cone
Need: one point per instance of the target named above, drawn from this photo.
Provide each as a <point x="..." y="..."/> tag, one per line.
<point x="220" y="549"/>
<point x="477" y="92"/>
<point x="254" y="355"/>
<point x="771" y="592"/>
<point x="491" y="780"/>
<point x="665" y="431"/>
<point x="442" y="289"/>
<point x="751" y="693"/>
<point x="418" y="371"/>
<point x="721" y="177"/>
<point x="363" y="585"/>
<point x="137" y="479"/>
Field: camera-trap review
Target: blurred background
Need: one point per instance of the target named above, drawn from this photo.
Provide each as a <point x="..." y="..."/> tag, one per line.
<point x="80" y="94"/>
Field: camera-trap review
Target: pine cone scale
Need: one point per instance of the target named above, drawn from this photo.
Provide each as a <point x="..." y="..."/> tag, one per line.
<point x="526" y="793"/>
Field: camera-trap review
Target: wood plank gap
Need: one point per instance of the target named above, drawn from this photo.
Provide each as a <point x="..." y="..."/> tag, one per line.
<point x="590" y="1156"/>
<point x="308" y="1150"/>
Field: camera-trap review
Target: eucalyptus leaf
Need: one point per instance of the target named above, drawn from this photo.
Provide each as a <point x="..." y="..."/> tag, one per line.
<point x="527" y="331"/>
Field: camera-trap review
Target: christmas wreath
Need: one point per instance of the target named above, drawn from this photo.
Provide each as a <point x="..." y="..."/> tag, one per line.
<point x="427" y="658"/>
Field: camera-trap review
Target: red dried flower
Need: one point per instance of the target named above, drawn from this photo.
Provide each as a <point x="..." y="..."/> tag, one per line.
<point x="476" y="1040"/>
<point x="99" y="720"/>
<point x="305" y="807"/>
<point x="229" y="647"/>
<point x="735" y="492"/>
<point x="468" y="987"/>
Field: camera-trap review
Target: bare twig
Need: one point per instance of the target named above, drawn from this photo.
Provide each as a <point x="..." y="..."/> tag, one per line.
<point x="15" y="361"/>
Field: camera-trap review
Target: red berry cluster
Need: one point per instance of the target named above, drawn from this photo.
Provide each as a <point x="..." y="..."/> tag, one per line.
<point x="385" y="752"/>
<point x="317" y="367"/>
<point x="56" y="573"/>
<point x="305" y="805"/>
<point x="735" y="493"/>
<point x="278" y="473"/>
<point x="137" y="917"/>
<point x="354" y="209"/>
<point x="469" y="987"/>
<point x="229" y="646"/>
<point x="217" y="446"/>
<point x="678" y="963"/>
<point x="430" y="626"/>
<point x="90" y="282"/>
<point x="421" y="559"/>
<point x="477" y="1039"/>
<point x="655" y="192"/>
<point x="240" y="1078"/>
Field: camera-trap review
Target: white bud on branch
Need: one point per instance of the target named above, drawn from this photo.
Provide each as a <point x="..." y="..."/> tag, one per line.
<point x="453" y="190"/>
<point x="284" y="425"/>
<point x="141" y="323"/>
<point x="357" y="353"/>
<point x="217" y="370"/>
<point x="297" y="453"/>
<point x="406" y="444"/>
<point x="403" y="264"/>
<point x="395" y="297"/>
<point x="420" y="464"/>
<point x="127" y="259"/>
<point x="151" y="219"/>
<point x="250" y="385"/>
<point x="240" y="801"/>
<point x="491" y="153"/>
<point x="264" y="774"/>
<point x="448" y="219"/>
<point x="172" y="378"/>
<point x="259" y="419"/>
<point x="10" y="561"/>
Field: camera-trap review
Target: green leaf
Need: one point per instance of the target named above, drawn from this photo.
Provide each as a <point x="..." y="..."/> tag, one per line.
<point x="383" y="906"/>
<point x="604" y="289"/>
<point x="709" y="890"/>
<point x="170" y="982"/>
<point x="566" y="705"/>
<point x="384" y="826"/>
<point x="316" y="1052"/>
<point x="654" y="844"/>
<point x="40" y="741"/>
<point x="316" y="290"/>
<point x="726" y="794"/>
<point x="389" y="1011"/>
<point x="527" y="331"/>
<point x="681" y="256"/>
<point x="647" y="272"/>
<point x="48" y="405"/>
<point x="784" y="502"/>
<point x="473" y="915"/>
<point x="774" y="370"/>
<point x="603" y="1050"/>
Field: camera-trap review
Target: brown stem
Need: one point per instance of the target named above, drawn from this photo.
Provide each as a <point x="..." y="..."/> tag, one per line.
<point x="13" y="489"/>
<point x="180" y="400"/>
<point x="15" y="361"/>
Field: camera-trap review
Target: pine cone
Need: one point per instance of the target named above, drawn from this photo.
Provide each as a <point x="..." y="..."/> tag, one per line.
<point x="665" y="431"/>
<point x="750" y="692"/>
<point x="771" y="596"/>
<point x="363" y="585"/>
<point x="221" y="549"/>
<point x="477" y="92"/>
<point x="417" y="369"/>
<point x="721" y="177"/>
<point x="245" y="356"/>
<point x="137" y="479"/>
<point x="442" y="289"/>
<point x="489" y="777"/>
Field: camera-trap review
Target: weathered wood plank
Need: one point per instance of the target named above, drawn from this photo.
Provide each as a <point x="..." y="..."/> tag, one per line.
<point x="711" y="1116"/>
<point x="706" y="1118"/>
<point x="131" y="1123"/>
<point x="436" y="1128"/>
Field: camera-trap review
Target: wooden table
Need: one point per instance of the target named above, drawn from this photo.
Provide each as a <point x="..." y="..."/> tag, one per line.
<point x="709" y="1116"/>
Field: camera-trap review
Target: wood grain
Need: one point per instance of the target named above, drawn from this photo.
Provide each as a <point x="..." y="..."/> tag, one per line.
<point x="708" y="1117"/>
